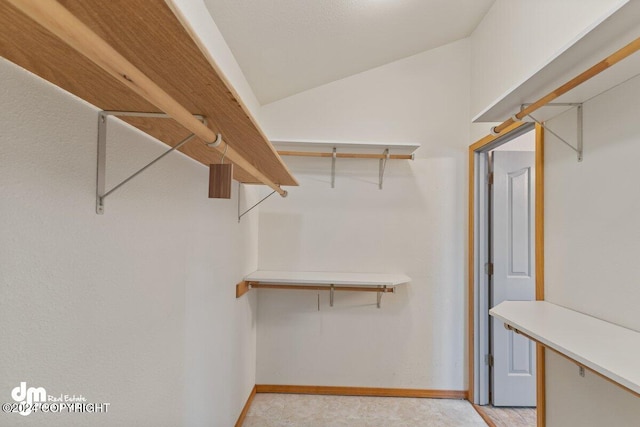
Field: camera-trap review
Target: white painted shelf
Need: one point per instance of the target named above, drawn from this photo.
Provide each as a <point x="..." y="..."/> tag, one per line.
<point x="617" y="28"/>
<point x="352" y="147"/>
<point x="353" y="150"/>
<point x="313" y="280"/>
<point x="608" y="349"/>
<point x="327" y="278"/>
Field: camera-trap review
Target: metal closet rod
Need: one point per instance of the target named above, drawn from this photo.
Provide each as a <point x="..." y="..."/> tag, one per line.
<point x="609" y="61"/>
<point x="58" y="20"/>
<point x="347" y="155"/>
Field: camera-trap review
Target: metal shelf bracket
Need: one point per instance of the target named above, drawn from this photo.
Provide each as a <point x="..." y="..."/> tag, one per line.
<point x="331" y="293"/>
<point x="379" y="303"/>
<point x="383" y="165"/>
<point x="101" y="168"/>
<point x="333" y="168"/>
<point x="579" y="124"/>
<point x="240" y="215"/>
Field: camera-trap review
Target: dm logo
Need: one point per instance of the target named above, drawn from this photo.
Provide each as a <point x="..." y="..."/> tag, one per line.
<point x="31" y="395"/>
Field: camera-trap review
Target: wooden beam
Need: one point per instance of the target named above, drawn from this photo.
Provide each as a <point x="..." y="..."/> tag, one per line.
<point x="346" y="155"/>
<point x="58" y="20"/>
<point x="607" y="62"/>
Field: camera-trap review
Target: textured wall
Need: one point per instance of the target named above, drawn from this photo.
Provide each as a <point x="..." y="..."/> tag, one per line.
<point x="415" y="225"/>
<point x="135" y="307"/>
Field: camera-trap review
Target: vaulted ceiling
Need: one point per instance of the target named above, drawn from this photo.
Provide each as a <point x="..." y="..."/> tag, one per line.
<point x="288" y="46"/>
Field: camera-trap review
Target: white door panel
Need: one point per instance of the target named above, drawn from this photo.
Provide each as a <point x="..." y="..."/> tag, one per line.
<point x="513" y="251"/>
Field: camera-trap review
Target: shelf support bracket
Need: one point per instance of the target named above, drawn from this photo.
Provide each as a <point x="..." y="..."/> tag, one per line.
<point x="240" y="215"/>
<point x="579" y="127"/>
<point x="380" y="293"/>
<point x="331" y="292"/>
<point x="383" y="165"/>
<point x="101" y="169"/>
<point x="333" y="168"/>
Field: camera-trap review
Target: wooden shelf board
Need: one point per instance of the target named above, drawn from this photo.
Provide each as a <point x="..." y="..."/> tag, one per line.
<point x="327" y="278"/>
<point x="605" y="348"/>
<point x="150" y="36"/>
<point x="353" y="147"/>
<point x="616" y="29"/>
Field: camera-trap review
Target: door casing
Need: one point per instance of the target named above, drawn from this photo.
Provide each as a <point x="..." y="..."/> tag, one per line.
<point x="473" y="357"/>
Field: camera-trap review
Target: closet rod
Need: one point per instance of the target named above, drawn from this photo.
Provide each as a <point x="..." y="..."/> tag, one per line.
<point x="58" y="20"/>
<point x="347" y="155"/>
<point x="610" y="60"/>
<point x="257" y="285"/>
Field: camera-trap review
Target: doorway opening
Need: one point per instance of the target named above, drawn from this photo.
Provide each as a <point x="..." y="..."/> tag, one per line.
<point x="505" y="263"/>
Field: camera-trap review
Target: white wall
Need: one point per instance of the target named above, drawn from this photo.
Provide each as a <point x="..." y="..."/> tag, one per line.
<point x="135" y="307"/>
<point x="517" y="38"/>
<point x="413" y="226"/>
<point x="592" y="247"/>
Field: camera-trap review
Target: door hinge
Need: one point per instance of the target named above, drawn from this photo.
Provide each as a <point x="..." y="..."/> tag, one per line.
<point x="490" y="178"/>
<point x="488" y="268"/>
<point x="488" y="359"/>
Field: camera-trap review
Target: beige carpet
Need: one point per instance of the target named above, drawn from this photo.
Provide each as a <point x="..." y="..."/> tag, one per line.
<point x="296" y="410"/>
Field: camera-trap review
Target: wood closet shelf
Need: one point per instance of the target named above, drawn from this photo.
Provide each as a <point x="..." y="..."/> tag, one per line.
<point x="609" y="350"/>
<point x="153" y="39"/>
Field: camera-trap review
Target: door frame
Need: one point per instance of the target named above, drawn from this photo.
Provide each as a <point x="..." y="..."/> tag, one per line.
<point x="475" y="149"/>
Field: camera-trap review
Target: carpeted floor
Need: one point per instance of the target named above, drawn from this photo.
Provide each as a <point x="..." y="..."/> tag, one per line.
<point x="296" y="410"/>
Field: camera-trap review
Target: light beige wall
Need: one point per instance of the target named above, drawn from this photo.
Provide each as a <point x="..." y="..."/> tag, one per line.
<point x="592" y="247"/>
<point x="135" y="307"/>
<point x="414" y="225"/>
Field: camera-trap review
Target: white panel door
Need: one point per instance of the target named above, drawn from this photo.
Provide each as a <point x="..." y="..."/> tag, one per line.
<point x="513" y="257"/>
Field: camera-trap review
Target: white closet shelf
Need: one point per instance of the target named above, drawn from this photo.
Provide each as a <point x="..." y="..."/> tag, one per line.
<point x="605" y="348"/>
<point x="615" y="29"/>
<point x="327" y="278"/>
<point x="342" y="147"/>
<point x="313" y="280"/>
<point x="349" y="150"/>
